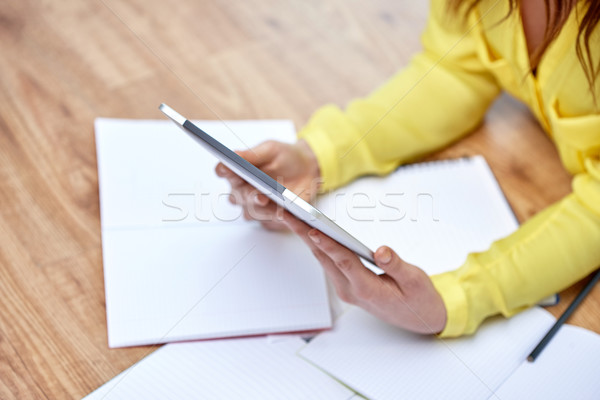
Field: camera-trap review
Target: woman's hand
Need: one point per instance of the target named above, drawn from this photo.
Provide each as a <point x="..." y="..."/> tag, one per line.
<point x="404" y="296"/>
<point x="293" y="165"/>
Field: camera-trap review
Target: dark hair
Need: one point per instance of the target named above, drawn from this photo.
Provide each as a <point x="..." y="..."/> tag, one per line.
<point x="555" y="21"/>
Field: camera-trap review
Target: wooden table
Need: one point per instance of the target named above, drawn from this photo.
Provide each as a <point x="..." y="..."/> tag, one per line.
<point x="64" y="63"/>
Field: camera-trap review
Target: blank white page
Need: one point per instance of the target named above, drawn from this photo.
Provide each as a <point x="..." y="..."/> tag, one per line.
<point x="180" y="263"/>
<point x="383" y="362"/>
<point x="164" y="285"/>
<point x="152" y="174"/>
<point x="568" y="368"/>
<point x="433" y="214"/>
<point x="251" y="368"/>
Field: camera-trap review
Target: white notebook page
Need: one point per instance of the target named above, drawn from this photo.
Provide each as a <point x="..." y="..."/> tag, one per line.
<point x="433" y="214"/>
<point x="568" y="368"/>
<point x="180" y="262"/>
<point x="251" y="368"/>
<point x="383" y="362"/>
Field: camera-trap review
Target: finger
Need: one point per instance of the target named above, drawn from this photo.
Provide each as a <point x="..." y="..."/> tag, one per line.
<point x="276" y="226"/>
<point x="296" y="225"/>
<point x="302" y="230"/>
<point x="240" y="194"/>
<point x="337" y="278"/>
<point x="247" y="196"/>
<point x="251" y="195"/>
<point x="270" y="212"/>
<point x="261" y="154"/>
<point x="224" y="172"/>
<point x="221" y="170"/>
<point x="236" y="197"/>
<point x="363" y="281"/>
<point x="263" y="216"/>
<point x="254" y="209"/>
<point x="406" y="275"/>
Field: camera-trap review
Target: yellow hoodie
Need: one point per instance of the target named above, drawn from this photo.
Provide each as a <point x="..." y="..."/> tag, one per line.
<point x="442" y="95"/>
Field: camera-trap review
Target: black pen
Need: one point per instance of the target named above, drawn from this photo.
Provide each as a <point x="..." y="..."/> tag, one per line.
<point x="584" y="292"/>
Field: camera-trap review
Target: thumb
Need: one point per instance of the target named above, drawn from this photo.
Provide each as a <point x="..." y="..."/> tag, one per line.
<point x="261" y="154"/>
<point x="393" y="265"/>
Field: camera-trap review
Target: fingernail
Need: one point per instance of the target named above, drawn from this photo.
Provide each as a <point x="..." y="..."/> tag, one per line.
<point x="385" y="256"/>
<point x="314" y="236"/>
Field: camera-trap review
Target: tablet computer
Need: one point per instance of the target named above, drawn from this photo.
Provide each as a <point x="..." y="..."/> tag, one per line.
<point x="270" y="187"/>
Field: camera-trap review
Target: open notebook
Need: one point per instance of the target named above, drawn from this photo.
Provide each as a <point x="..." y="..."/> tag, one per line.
<point x="383" y="362"/>
<point x="180" y="262"/>
<point x="250" y="368"/>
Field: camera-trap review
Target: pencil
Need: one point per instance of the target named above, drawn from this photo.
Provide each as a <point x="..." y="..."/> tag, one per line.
<point x="565" y="315"/>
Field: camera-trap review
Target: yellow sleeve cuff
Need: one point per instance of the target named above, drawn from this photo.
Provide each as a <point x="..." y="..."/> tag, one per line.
<point x="325" y="152"/>
<point x="455" y="300"/>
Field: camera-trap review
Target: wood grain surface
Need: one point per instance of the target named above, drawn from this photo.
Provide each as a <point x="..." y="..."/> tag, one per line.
<point x="64" y="63"/>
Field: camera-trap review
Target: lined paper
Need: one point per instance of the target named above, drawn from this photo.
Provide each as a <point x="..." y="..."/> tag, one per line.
<point x="568" y="368"/>
<point x="180" y="263"/>
<point x="251" y="368"/>
<point x="383" y="362"/>
<point x="433" y="214"/>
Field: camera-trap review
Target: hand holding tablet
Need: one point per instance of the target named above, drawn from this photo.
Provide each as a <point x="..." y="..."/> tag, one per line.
<point x="403" y="296"/>
<point x="294" y="165"/>
<point x="272" y="189"/>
